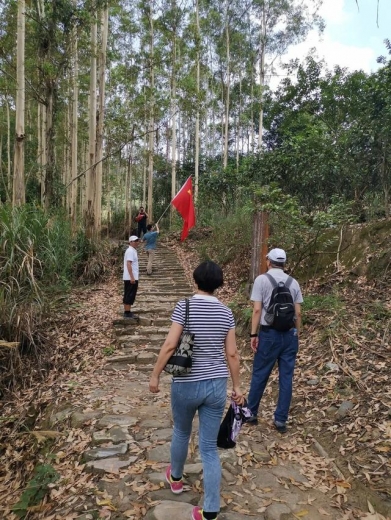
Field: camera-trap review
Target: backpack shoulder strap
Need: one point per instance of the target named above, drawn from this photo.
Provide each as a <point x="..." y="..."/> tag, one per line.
<point x="271" y="280"/>
<point x="288" y="282"/>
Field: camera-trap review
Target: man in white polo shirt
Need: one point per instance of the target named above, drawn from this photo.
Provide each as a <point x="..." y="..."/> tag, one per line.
<point x="130" y="276"/>
<point x="270" y="345"/>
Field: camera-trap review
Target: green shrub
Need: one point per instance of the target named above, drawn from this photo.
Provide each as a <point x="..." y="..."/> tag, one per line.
<point x="39" y="260"/>
<point x="36" y="489"/>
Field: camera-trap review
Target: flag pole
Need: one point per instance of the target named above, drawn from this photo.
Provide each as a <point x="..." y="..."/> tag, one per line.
<point x="164" y="212"/>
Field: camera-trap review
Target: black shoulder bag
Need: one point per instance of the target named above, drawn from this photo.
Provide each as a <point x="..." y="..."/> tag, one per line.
<point x="181" y="361"/>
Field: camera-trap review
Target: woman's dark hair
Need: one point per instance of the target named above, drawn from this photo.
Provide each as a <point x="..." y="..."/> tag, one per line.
<point x="208" y="276"/>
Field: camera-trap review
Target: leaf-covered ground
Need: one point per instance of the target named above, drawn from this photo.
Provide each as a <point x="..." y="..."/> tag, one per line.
<point x="78" y="337"/>
<point x="343" y="359"/>
<point x="342" y="392"/>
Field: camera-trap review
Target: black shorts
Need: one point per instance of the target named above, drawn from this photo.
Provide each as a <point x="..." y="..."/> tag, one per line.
<point x="130" y="291"/>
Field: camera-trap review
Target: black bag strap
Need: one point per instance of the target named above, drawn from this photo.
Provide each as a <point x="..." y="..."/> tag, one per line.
<point x="187" y="312"/>
<point x="287" y="283"/>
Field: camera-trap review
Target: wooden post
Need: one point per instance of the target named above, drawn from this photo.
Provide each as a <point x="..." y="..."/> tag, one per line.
<point x="260" y="245"/>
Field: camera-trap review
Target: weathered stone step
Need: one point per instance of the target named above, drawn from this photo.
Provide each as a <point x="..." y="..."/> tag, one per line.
<point x="163" y="297"/>
<point x="164" y="286"/>
<point x="129" y="354"/>
<point x="142" y="331"/>
<point x="130" y="367"/>
<point x="130" y="340"/>
<point x="154" y="345"/>
<point x="146" y="314"/>
<point x="133" y="358"/>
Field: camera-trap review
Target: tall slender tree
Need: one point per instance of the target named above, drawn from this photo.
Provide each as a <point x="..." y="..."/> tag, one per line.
<point x="19" y="195"/>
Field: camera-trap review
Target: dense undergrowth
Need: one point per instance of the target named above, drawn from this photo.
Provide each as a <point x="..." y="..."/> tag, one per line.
<point x="40" y="258"/>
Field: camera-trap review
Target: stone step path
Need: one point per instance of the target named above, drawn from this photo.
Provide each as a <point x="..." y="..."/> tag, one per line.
<point x="267" y="476"/>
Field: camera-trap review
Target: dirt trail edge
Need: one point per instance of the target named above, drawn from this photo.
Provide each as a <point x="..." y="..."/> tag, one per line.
<point x="125" y="432"/>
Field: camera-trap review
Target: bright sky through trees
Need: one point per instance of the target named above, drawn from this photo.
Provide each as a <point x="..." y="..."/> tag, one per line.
<point x="353" y="36"/>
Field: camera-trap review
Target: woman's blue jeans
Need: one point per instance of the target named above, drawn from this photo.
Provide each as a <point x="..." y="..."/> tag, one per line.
<point x="208" y="398"/>
<point x="274" y="347"/>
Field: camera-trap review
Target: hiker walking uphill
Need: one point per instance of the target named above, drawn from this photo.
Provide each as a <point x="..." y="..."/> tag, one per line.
<point x="275" y="329"/>
<point x="204" y="389"/>
<point x="150" y="238"/>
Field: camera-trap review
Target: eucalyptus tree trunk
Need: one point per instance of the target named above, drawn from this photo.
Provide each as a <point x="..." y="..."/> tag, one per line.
<point x="66" y="156"/>
<point x="173" y="112"/>
<point x="47" y="128"/>
<point x="145" y="166"/>
<point x="74" y="126"/>
<point x="227" y="88"/>
<point x="9" y="178"/>
<point x="252" y="129"/>
<point x="49" y="142"/>
<point x="128" y="190"/>
<point x="41" y="128"/>
<point x="222" y="118"/>
<point x="262" y="52"/>
<point x="108" y="199"/>
<point x="238" y="126"/>
<point x="83" y="180"/>
<point x="197" y="123"/>
<point x="151" y="115"/>
<point x="179" y="140"/>
<point x="18" y="193"/>
<point x="385" y="180"/>
<point x="100" y="121"/>
<point x="90" y="176"/>
<point x="127" y="194"/>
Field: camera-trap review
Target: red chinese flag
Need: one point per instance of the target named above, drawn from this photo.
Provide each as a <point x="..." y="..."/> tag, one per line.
<point x="183" y="202"/>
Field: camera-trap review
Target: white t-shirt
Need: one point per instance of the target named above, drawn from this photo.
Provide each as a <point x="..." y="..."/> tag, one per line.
<point x="131" y="256"/>
<point x="262" y="290"/>
<point x="210" y="321"/>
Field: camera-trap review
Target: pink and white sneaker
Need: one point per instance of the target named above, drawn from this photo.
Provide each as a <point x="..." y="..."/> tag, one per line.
<point x="175" y="485"/>
<point x="197" y="513"/>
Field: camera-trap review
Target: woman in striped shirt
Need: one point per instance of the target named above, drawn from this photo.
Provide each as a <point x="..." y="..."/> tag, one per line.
<point x="204" y="389"/>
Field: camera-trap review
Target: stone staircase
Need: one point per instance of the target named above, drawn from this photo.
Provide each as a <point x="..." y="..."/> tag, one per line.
<point x="139" y="341"/>
<point x="131" y="430"/>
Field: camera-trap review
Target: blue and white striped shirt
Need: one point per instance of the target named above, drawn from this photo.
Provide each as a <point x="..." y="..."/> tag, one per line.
<point x="209" y="321"/>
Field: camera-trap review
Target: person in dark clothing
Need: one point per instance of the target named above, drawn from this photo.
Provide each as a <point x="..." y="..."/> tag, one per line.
<point x="141" y="220"/>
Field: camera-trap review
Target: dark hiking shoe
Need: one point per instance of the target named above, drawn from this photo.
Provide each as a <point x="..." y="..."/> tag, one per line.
<point x="131" y="315"/>
<point x="251" y="421"/>
<point x="280" y="427"/>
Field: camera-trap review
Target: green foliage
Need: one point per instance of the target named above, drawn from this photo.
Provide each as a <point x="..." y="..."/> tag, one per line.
<point x="39" y="258"/>
<point x="36" y="489"/>
<point x="322" y="302"/>
<point x="229" y="236"/>
<point x="377" y="311"/>
<point x="109" y="351"/>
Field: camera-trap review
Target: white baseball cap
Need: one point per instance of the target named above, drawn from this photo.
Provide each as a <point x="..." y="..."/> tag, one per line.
<point x="277" y="255"/>
<point x="133" y="238"/>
